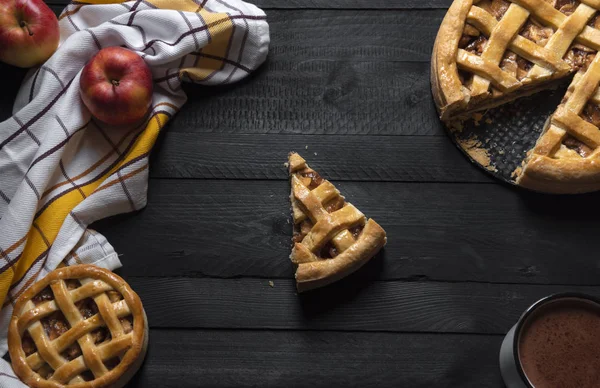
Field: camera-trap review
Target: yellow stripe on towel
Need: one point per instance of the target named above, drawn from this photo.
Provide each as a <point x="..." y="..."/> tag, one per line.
<point x="51" y="219"/>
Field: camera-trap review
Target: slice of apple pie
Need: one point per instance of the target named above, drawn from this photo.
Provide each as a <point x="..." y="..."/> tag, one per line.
<point x="332" y="238"/>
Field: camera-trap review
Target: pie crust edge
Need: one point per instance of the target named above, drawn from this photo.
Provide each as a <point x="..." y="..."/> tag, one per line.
<point x="448" y="92"/>
<point x="319" y="274"/>
<point x="560" y="176"/>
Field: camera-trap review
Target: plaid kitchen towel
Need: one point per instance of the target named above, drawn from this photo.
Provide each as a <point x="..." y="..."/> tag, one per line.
<point x="61" y="171"/>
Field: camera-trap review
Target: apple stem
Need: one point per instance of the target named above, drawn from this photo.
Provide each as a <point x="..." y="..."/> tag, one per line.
<point x="115" y="82"/>
<point x="26" y="26"/>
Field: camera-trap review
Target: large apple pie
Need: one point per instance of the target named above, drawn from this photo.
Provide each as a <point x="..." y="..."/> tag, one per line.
<point x="488" y="52"/>
<point x="81" y="326"/>
<point x="332" y="238"/>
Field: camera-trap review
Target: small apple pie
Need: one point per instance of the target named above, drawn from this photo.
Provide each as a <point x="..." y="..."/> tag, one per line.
<point x="81" y="326"/>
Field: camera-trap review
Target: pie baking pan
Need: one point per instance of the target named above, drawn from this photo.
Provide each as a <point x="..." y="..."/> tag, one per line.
<point x="498" y="139"/>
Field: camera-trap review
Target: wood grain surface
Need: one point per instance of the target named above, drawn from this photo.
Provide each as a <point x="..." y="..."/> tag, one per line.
<point x="357" y="303"/>
<point x="347" y="85"/>
<point x="241" y="358"/>
<point x="350" y="72"/>
<point x="439" y="231"/>
<point x="251" y="156"/>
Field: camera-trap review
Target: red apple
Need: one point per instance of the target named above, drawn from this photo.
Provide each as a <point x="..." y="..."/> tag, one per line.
<point x="28" y="32"/>
<point x="116" y="86"/>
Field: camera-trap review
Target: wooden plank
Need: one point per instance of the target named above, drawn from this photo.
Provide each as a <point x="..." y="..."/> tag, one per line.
<point x="333" y="4"/>
<point x="326" y="96"/>
<point x="329" y="72"/>
<point x="374" y="158"/>
<point x="224" y="358"/>
<point x="11" y="81"/>
<point x="376" y="35"/>
<point x="355" y="303"/>
<point x="455" y="232"/>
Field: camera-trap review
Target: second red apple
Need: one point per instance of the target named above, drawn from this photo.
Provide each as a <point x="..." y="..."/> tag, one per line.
<point x="116" y="86"/>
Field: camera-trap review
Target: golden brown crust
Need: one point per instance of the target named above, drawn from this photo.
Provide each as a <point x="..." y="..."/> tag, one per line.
<point x="332" y="237"/>
<point x="320" y="273"/>
<point x="553" y="165"/>
<point x="561" y="176"/>
<point x="137" y="339"/>
<point x="448" y="92"/>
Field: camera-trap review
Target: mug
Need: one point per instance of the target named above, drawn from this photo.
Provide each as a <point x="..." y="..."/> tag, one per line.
<point x="510" y="364"/>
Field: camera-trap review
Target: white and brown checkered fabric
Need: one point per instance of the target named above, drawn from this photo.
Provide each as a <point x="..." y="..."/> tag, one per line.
<point x="60" y="171"/>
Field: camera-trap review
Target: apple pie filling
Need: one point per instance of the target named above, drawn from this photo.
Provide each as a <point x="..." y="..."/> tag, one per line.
<point x="591" y="113"/>
<point x="517" y="66"/>
<point x="536" y="32"/>
<point x="576" y="145"/>
<point x="595" y="21"/>
<point x="497" y="8"/>
<point x="44" y="296"/>
<point x="329" y="251"/>
<point x="310" y="178"/>
<point x="565" y="6"/>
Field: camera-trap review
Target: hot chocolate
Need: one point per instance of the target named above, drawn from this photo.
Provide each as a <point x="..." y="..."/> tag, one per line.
<point x="559" y="345"/>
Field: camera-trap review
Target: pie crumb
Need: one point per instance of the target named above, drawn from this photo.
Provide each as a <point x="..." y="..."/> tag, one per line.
<point x="455" y="126"/>
<point x="305" y="147"/>
<point x="488" y="121"/>
<point x="477" y="118"/>
<point x="474" y="148"/>
<point x="271" y="284"/>
<point x="286" y="165"/>
<point x="518" y="171"/>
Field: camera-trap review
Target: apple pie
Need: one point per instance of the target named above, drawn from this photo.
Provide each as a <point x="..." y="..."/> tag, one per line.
<point x="331" y="237"/>
<point x="80" y="326"/>
<point x="489" y="52"/>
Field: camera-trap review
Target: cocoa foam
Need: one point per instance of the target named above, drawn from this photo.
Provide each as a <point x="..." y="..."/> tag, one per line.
<point x="559" y="345"/>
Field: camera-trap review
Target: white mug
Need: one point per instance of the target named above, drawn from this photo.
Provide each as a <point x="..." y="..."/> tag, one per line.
<point x="510" y="365"/>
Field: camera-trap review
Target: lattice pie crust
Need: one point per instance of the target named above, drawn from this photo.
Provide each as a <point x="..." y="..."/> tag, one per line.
<point x="81" y="326"/>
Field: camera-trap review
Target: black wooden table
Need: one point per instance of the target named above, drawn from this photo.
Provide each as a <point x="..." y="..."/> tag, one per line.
<point x="347" y="85"/>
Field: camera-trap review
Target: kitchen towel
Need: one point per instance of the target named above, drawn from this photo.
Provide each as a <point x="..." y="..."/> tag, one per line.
<point x="60" y="170"/>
